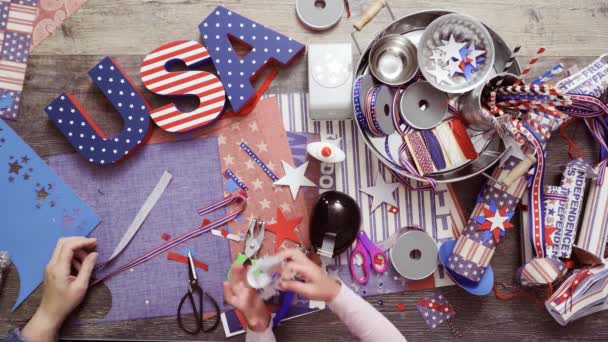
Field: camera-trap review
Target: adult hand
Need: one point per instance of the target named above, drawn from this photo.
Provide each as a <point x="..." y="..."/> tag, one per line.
<point x="63" y="291"/>
<point x="246" y="299"/>
<point x="312" y="282"/>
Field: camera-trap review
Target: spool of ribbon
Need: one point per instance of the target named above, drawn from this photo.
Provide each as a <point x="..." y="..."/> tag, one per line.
<point x="462" y="138"/>
<point x="379" y="99"/>
<point x="236" y="199"/>
<point x="358" y="100"/>
<point x="419" y="152"/>
<point x="400" y="125"/>
<point x="434" y="148"/>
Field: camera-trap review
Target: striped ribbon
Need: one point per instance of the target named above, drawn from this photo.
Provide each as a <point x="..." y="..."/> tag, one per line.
<point x="536" y="212"/>
<point x="357" y="103"/>
<point x="527" y="69"/>
<point x="370" y="111"/>
<point x="432" y="144"/>
<point x="187" y="236"/>
<point x="260" y="163"/>
<point x="236" y="179"/>
<point x="404" y="161"/>
<point x="397" y="120"/>
<point x="585" y="106"/>
<point x="549" y="74"/>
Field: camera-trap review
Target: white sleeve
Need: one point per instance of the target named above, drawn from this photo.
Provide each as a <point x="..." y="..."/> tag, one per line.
<point x="261" y="336"/>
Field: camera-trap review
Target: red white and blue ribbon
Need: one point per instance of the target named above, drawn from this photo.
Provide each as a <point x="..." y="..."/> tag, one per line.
<point x="260" y="163"/>
<point x="536" y="211"/>
<point x="358" y="105"/>
<point x="228" y="173"/>
<point x="242" y="201"/>
<point x="370" y="111"/>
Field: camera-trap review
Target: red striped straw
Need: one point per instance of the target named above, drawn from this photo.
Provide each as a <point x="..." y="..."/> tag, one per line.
<point x="493" y="103"/>
<point x="529" y="66"/>
<point x="510" y="62"/>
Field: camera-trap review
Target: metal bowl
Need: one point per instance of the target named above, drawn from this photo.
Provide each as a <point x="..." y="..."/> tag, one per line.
<point x="412" y="27"/>
<point x="393" y="60"/>
<point x="464" y="29"/>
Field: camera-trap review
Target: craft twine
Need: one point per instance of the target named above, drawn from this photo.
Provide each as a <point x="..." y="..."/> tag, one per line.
<point x="462" y="138"/>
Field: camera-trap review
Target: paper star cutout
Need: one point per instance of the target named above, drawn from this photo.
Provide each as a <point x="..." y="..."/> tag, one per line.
<point x="473" y="54"/>
<point x="453" y="67"/>
<point x="294" y="178"/>
<point x="463" y="55"/>
<point x="441" y="75"/>
<point x="284" y="229"/>
<point x="495" y="221"/>
<point x="381" y="192"/>
<point x="14" y="167"/>
<point x="451" y="49"/>
<point x="41" y="194"/>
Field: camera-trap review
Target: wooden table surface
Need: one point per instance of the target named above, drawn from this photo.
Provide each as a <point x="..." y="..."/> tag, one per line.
<point x="574" y="32"/>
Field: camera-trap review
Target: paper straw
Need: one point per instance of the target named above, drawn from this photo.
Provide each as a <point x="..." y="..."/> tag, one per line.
<point x="510" y="62"/>
<point x="533" y="61"/>
<point x="549" y="74"/>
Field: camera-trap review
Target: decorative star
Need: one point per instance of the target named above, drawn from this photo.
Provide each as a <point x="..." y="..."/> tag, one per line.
<point x="284" y="229"/>
<point x="474" y="54"/>
<point x="495" y="221"/>
<point x="441" y="75"/>
<point x="381" y="192"/>
<point x="453" y="67"/>
<point x="549" y="230"/>
<point x="265" y="204"/>
<point x="235" y="126"/>
<point x="229" y="160"/>
<point x="25" y="159"/>
<point x="262" y="147"/>
<point x="253" y="126"/>
<point x="250" y="164"/>
<point x="451" y="49"/>
<point x="221" y="140"/>
<point x="285" y="207"/>
<point x="295" y="178"/>
<point x="26" y="176"/>
<point x="41" y="194"/>
<point x="257" y="184"/>
<point x="14" y="167"/>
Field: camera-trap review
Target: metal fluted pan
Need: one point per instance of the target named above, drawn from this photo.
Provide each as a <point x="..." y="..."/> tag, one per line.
<point x="412" y="26"/>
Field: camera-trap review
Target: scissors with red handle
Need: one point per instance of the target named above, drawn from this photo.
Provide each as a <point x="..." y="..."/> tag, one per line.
<point x="371" y="257"/>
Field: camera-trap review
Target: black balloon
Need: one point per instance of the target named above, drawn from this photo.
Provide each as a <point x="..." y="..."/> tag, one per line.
<point x="335" y="212"/>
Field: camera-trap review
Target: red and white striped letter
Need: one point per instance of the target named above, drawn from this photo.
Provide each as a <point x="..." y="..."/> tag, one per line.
<point x="206" y="86"/>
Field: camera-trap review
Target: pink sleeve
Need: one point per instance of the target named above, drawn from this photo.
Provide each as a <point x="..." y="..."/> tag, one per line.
<point x="261" y="336"/>
<point x="363" y="321"/>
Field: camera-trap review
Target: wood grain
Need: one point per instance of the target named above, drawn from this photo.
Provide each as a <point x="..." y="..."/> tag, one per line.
<point x="574" y="32"/>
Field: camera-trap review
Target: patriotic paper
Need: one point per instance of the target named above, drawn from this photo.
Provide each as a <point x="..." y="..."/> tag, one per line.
<point x="204" y="85"/>
<point x="474" y="250"/>
<point x="574" y="179"/>
<point x="16" y="26"/>
<point x="37" y="208"/>
<point x="267" y="46"/>
<point x="434" y="210"/>
<point x="540" y="271"/>
<point x="583" y="293"/>
<point x="80" y="130"/>
<point x="556" y="199"/>
<point x="434" y="310"/>
<point x="590" y="80"/>
<point x="118" y="192"/>
<point x="51" y="15"/>
<point x="591" y="243"/>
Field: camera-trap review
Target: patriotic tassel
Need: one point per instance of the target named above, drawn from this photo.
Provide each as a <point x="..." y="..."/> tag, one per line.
<point x="533" y="61"/>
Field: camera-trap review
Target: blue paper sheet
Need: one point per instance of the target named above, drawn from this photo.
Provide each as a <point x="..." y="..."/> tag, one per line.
<point x="37" y="208"/>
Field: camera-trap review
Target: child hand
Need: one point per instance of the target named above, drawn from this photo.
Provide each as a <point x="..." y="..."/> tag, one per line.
<point x="245" y="299"/>
<point x="63" y="292"/>
<point x="316" y="284"/>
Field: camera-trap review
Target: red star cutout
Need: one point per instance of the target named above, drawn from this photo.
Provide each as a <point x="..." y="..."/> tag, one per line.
<point x="284" y="229"/>
<point x="549" y="230"/>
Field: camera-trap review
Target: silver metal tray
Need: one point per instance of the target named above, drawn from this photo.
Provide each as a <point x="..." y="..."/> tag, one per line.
<point x="412" y="27"/>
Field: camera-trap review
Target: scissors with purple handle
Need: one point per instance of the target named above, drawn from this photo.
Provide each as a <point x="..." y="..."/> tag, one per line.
<point x="370" y="254"/>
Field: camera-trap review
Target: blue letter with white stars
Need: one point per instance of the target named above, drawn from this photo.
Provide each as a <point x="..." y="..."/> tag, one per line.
<point x="82" y="132"/>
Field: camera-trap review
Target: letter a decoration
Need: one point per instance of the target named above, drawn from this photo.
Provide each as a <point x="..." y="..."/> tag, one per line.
<point x="267" y="46"/>
<point x="81" y="131"/>
<point x="206" y="86"/>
